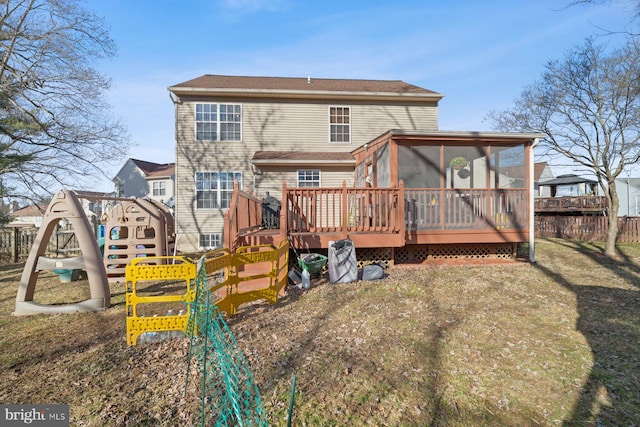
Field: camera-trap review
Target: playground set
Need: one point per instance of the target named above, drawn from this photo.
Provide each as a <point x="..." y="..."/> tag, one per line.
<point x="135" y="243"/>
<point x="137" y="228"/>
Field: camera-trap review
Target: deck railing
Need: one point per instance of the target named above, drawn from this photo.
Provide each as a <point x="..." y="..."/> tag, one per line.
<point x="343" y="210"/>
<point x="244" y="215"/>
<point x="571" y="203"/>
<point x="457" y="209"/>
<point x="346" y="211"/>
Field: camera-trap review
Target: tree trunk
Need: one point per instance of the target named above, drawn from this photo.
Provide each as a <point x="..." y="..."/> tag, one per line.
<point x="612" y="216"/>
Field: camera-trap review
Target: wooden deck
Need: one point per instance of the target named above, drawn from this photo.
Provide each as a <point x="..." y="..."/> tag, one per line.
<point x="571" y="204"/>
<point x="382" y="217"/>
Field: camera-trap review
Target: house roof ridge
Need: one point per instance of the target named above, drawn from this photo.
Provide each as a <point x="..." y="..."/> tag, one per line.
<point x="271" y="85"/>
<point x="147" y="161"/>
<point x="301" y="78"/>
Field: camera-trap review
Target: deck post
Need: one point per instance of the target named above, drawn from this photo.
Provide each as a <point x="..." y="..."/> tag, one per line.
<point x="400" y="214"/>
<point x="226" y="231"/>
<point x="345" y="210"/>
<point x="229" y="231"/>
<point x="532" y="237"/>
<point x="16" y="244"/>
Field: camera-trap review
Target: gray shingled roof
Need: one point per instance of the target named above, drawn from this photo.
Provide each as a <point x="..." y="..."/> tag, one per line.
<point x="151" y="169"/>
<point x="567" y="179"/>
<point x="305" y="84"/>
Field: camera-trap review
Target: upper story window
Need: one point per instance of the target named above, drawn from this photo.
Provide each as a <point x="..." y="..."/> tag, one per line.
<point x="214" y="189"/>
<point x="308" y="178"/>
<point x="339" y="124"/>
<point x="159" y="188"/>
<point x="218" y="122"/>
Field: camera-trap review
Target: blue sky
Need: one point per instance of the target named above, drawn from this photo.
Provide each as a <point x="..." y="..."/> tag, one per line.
<point x="479" y="54"/>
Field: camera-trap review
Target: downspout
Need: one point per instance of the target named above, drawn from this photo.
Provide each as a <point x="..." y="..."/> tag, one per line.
<point x="532" y="231"/>
<point x="175" y="100"/>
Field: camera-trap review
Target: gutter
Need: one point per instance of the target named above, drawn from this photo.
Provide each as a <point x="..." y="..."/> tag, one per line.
<point x="279" y="162"/>
<point x="297" y="94"/>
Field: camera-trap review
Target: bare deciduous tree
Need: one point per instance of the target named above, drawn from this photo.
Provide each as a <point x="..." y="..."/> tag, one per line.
<point x="56" y="128"/>
<point x="588" y="106"/>
<point x="633" y="6"/>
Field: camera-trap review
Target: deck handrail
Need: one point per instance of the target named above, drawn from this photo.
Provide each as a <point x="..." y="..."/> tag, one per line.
<point x="466" y="208"/>
<point x="244" y="215"/>
<point x="571" y="203"/>
<point x="396" y="213"/>
<point x="343" y="210"/>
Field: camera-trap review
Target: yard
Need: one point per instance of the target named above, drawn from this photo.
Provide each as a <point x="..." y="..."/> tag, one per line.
<point x="548" y="344"/>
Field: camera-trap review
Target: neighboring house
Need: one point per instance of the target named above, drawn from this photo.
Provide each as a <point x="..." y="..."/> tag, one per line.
<point x="261" y="131"/>
<point x="570" y="185"/>
<point x="570" y="194"/>
<point x="138" y="178"/>
<point x="629" y="195"/>
<point x="32" y="215"/>
<point x="28" y="216"/>
<point x="542" y="173"/>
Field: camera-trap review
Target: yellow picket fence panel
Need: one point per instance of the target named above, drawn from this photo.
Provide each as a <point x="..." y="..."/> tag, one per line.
<point x="168" y="271"/>
<point x="249" y="274"/>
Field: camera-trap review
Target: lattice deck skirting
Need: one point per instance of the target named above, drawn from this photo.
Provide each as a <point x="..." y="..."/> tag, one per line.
<point x="382" y="256"/>
<point x="422" y="254"/>
<point x="418" y="254"/>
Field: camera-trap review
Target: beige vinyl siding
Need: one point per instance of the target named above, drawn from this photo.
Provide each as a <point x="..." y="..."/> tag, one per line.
<point x="271" y="178"/>
<point x="189" y="220"/>
<point x="295" y="125"/>
<point x="335" y="177"/>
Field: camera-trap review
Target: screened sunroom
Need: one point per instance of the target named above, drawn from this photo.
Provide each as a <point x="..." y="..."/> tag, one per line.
<point x="458" y="186"/>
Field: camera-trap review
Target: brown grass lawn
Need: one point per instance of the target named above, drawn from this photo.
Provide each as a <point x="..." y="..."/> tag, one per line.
<point x="555" y="343"/>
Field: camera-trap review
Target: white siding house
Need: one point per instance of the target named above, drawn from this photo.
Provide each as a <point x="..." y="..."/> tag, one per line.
<point x="541" y="173"/>
<point x="629" y="194"/>
<point x="138" y="178"/>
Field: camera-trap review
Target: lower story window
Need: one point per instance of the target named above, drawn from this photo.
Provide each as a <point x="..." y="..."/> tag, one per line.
<point x="308" y="178"/>
<point x="214" y="189"/>
<point x="210" y="241"/>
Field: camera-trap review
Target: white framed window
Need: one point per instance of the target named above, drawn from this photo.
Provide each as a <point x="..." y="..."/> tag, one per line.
<point x="210" y="241"/>
<point x="308" y="178"/>
<point x="340" y="124"/>
<point x="218" y="122"/>
<point x="159" y="188"/>
<point x="214" y="189"/>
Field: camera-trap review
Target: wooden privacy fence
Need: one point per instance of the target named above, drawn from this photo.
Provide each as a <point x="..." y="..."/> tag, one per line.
<point x="16" y="242"/>
<point x="586" y="227"/>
